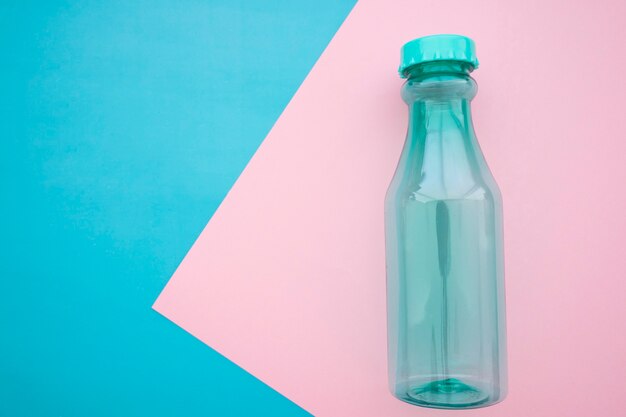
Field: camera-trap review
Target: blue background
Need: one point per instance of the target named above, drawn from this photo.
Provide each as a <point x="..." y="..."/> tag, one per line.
<point x="122" y="127"/>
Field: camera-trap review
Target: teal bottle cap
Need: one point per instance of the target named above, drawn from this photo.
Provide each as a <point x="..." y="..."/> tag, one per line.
<point x="437" y="48"/>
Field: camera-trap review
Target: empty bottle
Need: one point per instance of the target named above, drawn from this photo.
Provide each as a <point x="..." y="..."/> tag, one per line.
<point x="443" y="221"/>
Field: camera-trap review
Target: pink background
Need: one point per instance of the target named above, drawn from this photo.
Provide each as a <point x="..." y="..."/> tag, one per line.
<point x="288" y="278"/>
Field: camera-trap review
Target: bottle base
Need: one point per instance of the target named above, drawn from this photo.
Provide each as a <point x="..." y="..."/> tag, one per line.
<point x="447" y="393"/>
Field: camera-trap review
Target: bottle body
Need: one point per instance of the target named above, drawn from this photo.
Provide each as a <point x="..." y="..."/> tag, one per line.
<point x="445" y="272"/>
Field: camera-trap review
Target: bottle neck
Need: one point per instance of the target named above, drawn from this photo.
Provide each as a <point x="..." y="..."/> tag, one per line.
<point x="451" y="117"/>
<point x="441" y="153"/>
<point x="439" y="95"/>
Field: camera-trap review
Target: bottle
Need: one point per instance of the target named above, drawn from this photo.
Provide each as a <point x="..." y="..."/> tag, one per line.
<point x="444" y="247"/>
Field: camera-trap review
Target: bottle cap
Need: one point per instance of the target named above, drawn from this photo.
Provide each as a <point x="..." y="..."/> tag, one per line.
<point x="437" y="48"/>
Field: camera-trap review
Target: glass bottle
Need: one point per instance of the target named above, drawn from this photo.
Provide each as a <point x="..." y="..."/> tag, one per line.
<point x="443" y="222"/>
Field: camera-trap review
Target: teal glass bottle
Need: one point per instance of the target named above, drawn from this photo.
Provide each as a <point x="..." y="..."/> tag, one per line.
<point x="443" y="224"/>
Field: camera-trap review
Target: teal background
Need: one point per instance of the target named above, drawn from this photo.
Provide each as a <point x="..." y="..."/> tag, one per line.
<point x="122" y="127"/>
